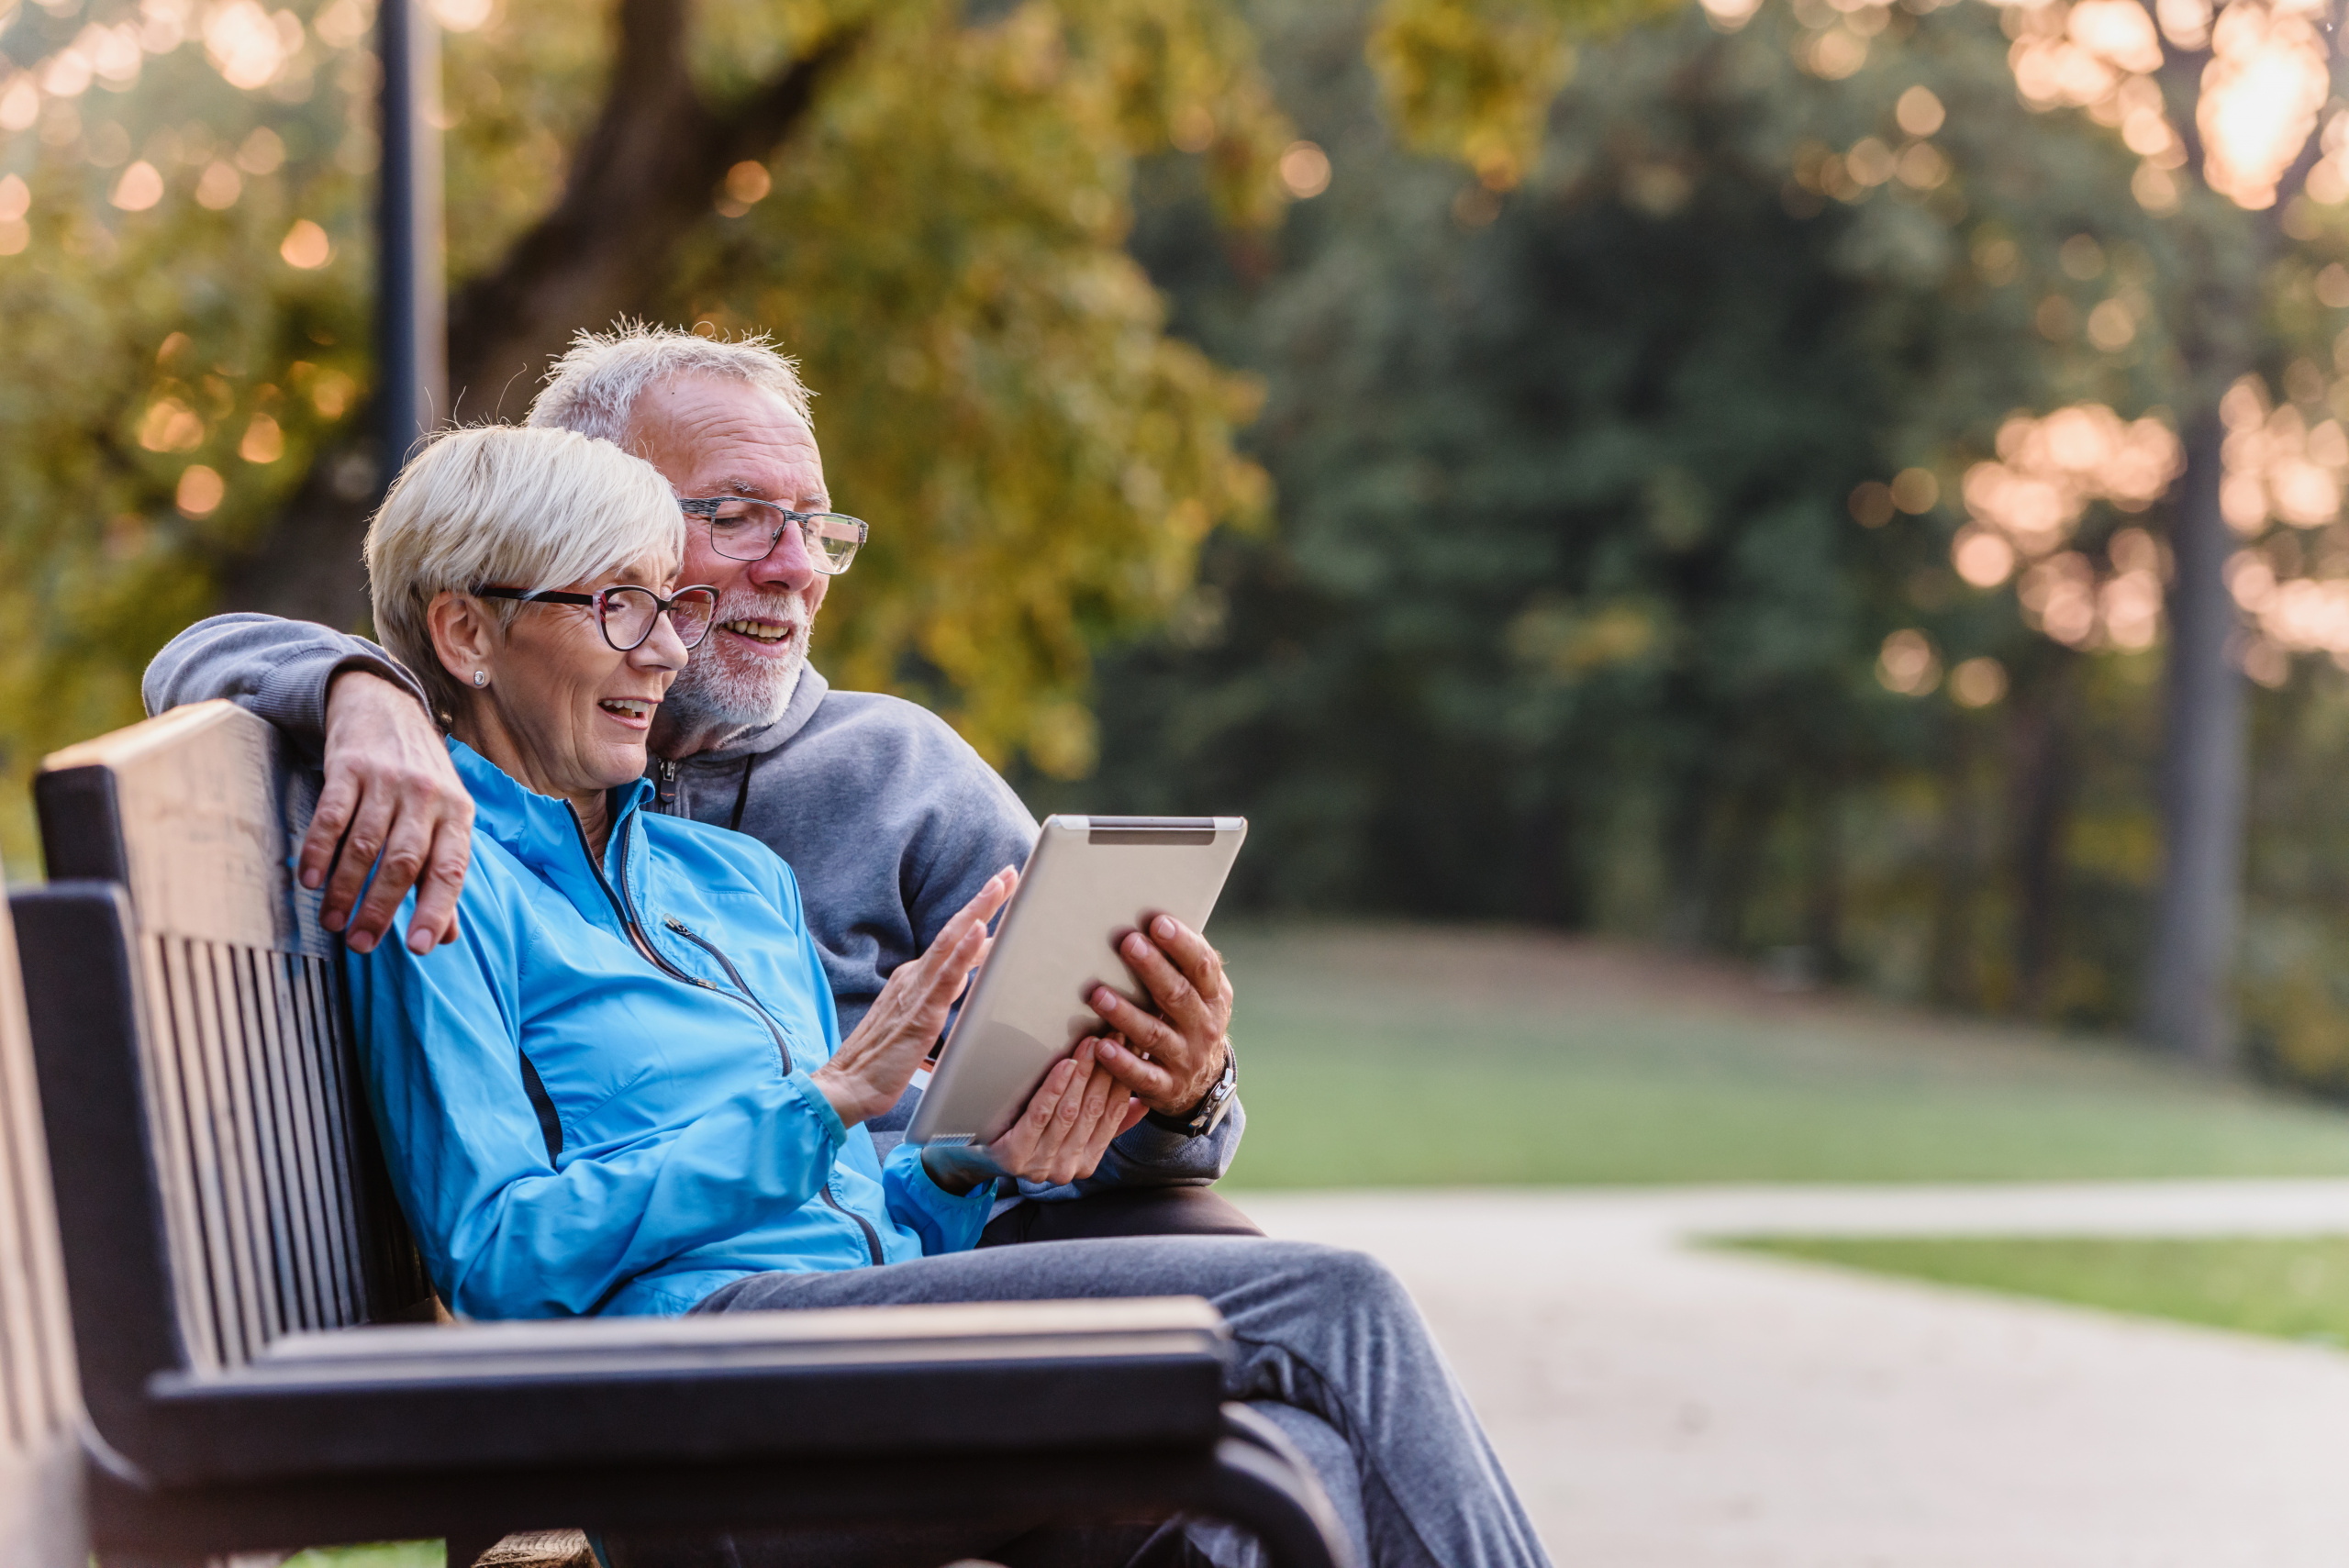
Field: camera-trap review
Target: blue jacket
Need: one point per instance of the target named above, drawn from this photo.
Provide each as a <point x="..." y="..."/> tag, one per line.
<point x="596" y="1099"/>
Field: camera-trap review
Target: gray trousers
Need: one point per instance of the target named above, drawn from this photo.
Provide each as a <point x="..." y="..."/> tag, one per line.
<point x="1327" y="1344"/>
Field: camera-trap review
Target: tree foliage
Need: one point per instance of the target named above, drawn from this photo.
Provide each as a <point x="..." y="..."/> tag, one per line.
<point x="184" y="275"/>
<point x="1589" y="602"/>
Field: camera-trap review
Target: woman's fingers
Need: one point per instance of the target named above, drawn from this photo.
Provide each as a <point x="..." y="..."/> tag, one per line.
<point x="990" y="897"/>
<point x="888" y="1044"/>
<point x="1069" y="1121"/>
<point x="1016" y="1151"/>
<point x="1124" y="1111"/>
<point x="1092" y="1113"/>
<point x="1078" y="1153"/>
<point x="1068" y="1117"/>
<point x="960" y="943"/>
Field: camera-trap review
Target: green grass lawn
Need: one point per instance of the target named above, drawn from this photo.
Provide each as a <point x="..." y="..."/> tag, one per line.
<point x="2290" y="1287"/>
<point x="1401" y="1056"/>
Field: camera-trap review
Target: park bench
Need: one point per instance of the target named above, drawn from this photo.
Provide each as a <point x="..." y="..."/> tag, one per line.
<point x="40" y="1462"/>
<point x="254" y="1330"/>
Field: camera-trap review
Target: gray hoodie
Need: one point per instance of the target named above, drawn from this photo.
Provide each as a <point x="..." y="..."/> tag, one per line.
<point x="888" y="819"/>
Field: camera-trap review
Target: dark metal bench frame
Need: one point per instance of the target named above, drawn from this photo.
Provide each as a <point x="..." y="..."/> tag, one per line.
<point x="244" y="1297"/>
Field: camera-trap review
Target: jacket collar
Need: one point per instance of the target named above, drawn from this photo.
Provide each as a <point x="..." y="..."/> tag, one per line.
<point x="805" y="699"/>
<point x="537" y="829"/>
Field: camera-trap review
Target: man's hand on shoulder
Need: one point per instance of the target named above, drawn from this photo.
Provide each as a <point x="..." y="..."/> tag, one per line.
<point x="389" y="783"/>
<point x="1169" y="1061"/>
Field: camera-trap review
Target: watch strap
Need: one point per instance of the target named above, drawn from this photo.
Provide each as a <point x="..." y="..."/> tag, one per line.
<point x="1212" y="1106"/>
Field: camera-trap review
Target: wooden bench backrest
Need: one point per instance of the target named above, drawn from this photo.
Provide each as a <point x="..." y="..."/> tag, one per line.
<point x="275" y="1211"/>
<point x="40" y="1513"/>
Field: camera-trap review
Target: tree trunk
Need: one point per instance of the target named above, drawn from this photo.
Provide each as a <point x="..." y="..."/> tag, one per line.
<point x="1953" y="977"/>
<point x="1823" y="885"/>
<point x="2042" y="783"/>
<point x="646" y="172"/>
<point x="2187" y="1007"/>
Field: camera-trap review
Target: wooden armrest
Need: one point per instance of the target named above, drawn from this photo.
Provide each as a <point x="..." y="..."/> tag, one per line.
<point x="1042" y="1377"/>
<point x="738" y="1341"/>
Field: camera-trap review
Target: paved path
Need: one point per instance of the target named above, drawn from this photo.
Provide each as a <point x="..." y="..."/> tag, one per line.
<point x="1662" y="1406"/>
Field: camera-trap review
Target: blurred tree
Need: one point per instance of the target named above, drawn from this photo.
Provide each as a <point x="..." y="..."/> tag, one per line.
<point x="2233" y="91"/>
<point x="1597" y="597"/>
<point x="930" y="205"/>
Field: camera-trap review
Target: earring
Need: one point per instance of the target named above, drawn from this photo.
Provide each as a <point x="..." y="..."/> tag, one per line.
<point x="481" y="677"/>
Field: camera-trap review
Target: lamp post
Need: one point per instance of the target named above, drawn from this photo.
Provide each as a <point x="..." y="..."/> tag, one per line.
<point x="411" y="304"/>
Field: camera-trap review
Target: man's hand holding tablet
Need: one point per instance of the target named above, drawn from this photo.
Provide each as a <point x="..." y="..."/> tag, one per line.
<point x="1176" y="1054"/>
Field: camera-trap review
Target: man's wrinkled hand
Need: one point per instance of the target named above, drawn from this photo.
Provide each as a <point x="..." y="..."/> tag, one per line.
<point x="391" y="787"/>
<point x="1172" y="1060"/>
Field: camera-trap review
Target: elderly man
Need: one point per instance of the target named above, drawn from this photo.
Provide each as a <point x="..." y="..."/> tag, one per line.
<point x="890" y="820"/>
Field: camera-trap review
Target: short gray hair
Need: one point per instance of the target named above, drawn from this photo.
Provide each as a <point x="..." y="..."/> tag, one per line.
<point x="594" y="387"/>
<point x="498" y="504"/>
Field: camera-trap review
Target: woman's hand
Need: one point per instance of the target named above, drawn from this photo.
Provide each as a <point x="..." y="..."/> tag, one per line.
<point x="876" y="1062"/>
<point x="1068" y="1124"/>
<point x="1061" y="1136"/>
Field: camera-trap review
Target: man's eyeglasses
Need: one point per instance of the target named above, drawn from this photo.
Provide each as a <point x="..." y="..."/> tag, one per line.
<point x="625" y="612"/>
<point x="743" y="529"/>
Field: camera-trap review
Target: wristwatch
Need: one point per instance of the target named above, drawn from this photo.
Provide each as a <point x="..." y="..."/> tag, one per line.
<point x="1213" y="1107"/>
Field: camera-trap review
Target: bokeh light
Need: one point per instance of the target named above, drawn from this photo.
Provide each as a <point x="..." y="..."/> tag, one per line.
<point x="2025" y="507"/>
<point x="1978" y="682"/>
<point x="1305" y="169"/>
<point x="2260" y="94"/>
<point x="1906" y="664"/>
<point x="306" y="246"/>
<point x="2276" y="466"/>
<point x="200" y="491"/>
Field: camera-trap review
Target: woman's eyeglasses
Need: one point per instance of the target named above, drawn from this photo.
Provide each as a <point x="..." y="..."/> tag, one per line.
<point x="743" y="529"/>
<point x="625" y="612"/>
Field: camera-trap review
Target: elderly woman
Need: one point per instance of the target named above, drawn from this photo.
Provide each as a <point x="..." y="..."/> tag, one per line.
<point x="623" y="1089"/>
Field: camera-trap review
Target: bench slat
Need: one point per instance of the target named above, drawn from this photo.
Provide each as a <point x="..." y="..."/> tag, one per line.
<point x="278" y="1214"/>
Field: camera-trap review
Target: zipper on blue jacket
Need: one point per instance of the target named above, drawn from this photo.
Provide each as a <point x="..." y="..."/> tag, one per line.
<point x="774" y="1025"/>
<point x="872" y="1237"/>
<point x="625" y="913"/>
<point x="624" y="908"/>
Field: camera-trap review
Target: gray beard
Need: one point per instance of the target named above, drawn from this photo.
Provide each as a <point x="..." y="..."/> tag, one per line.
<point x="705" y="696"/>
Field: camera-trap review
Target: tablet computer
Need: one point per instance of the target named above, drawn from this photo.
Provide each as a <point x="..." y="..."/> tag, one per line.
<point x="1089" y="882"/>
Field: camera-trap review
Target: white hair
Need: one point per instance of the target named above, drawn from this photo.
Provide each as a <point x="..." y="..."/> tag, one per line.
<point x="502" y="504"/>
<point x="592" y="388"/>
